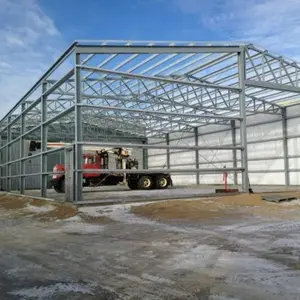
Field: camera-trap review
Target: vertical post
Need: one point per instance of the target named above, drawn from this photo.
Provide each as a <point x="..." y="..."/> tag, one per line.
<point x="145" y="156"/>
<point x="197" y="154"/>
<point x="2" y="160"/>
<point x="69" y="173"/>
<point x="168" y="150"/>
<point x="243" y="125"/>
<point x="234" y="156"/>
<point x="285" y="146"/>
<point x="78" y="131"/>
<point x="44" y="131"/>
<point x="8" y="156"/>
<point x="22" y="162"/>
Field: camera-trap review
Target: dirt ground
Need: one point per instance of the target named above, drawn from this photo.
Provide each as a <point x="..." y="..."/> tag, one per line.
<point x="233" y="206"/>
<point x="52" y="210"/>
<point x="208" y="249"/>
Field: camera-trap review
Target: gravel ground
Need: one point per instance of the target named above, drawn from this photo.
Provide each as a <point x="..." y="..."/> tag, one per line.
<point x="109" y="253"/>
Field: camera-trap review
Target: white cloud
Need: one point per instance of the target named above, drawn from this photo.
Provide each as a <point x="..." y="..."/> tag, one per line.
<point x="29" y="43"/>
<point x="273" y="24"/>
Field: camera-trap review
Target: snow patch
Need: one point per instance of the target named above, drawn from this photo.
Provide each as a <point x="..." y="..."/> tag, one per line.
<point x="201" y="256"/>
<point x="291" y="203"/>
<point x="39" y="209"/>
<point x="82" y="228"/>
<point x="47" y="292"/>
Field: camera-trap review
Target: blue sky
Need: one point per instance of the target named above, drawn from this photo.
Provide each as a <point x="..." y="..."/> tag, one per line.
<point x="33" y="33"/>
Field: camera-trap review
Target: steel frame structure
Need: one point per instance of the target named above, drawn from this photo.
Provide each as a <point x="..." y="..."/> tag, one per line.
<point x="113" y="91"/>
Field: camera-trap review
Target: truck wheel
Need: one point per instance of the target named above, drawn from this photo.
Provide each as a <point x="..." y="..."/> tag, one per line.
<point x="145" y="183"/>
<point x="60" y="188"/>
<point x="132" y="185"/>
<point x="162" y="182"/>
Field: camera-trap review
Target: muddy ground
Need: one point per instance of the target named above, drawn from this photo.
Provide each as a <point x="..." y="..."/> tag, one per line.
<point x="217" y="248"/>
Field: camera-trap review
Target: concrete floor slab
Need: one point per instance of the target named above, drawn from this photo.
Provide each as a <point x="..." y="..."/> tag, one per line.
<point x="120" y="193"/>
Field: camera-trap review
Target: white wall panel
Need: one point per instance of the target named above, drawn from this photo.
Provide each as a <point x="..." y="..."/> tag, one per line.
<point x="157" y="161"/>
<point x="274" y="164"/>
<point x="260" y="118"/>
<point x="293" y="126"/>
<point x="294" y="163"/>
<point x="260" y="150"/>
<point x="293" y="111"/>
<point x="267" y="149"/>
<point x="294" y="146"/>
<point x="182" y="158"/>
<point x="295" y="178"/>
<point x="183" y="142"/>
<point x="265" y="178"/>
<point x="183" y="179"/>
<point x="215" y="179"/>
<point x="215" y="156"/>
<point x="266" y="131"/>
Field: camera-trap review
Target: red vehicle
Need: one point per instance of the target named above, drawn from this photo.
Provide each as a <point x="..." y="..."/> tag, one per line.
<point x="100" y="160"/>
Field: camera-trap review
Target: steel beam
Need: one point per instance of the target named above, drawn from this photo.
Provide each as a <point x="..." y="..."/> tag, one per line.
<point x="285" y="147"/>
<point x="149" y="146"/>
<point x="234" y="154"/>
<point x="272" y="86"/>
<point x="124" y="49"/>
<point x="78" y="132"/>
<point x="159" y="79"/>
<point x="243" y="125"/>
<point x="196" y="136"/>
<point x="163" y="113"/>
<point x="155" y="171"/>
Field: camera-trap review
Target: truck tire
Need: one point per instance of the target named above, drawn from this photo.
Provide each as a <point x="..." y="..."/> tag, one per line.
<point x="145" y="183"/>
<point x="132" y="184"/>
<point x="60" y="188"/>
<point x="162" y="182"/>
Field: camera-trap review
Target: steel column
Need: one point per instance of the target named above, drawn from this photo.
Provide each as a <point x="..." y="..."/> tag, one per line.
<point x="285" y="147"/>
<point x="168" y="150"/>
<point x="69" y="174"/>
<point x="22" y="140"/>
<point x="2" y="167"/>
<point x="8" y="156"/>
<point x="234" y="156"/>
<point x="197" y="154"/>
<point x="44" y="132"/>
<point x="243" y="125"/>
<point x="78" y="132"/>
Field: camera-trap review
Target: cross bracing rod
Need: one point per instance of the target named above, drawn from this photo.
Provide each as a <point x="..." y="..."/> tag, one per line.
<point x="45" y="94"/>
<point x="58" y="62"/>
<point x="158" y="72"/>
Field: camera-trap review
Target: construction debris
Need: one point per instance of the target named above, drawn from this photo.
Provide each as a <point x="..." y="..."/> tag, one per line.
<point x="278" y="198"/>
